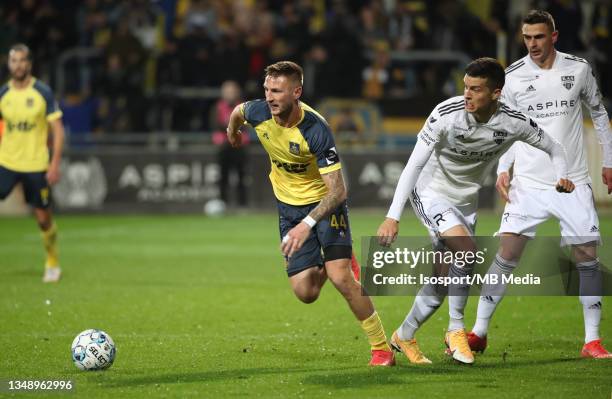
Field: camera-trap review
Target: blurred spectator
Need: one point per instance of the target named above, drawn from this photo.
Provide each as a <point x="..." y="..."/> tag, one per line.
<point x="347" y="125"/>
<point x="122" y="83"/>
<point x="456" y="28"/>
<point x="408" y="25"/>
<point x="92" y="24"/>
<point x="373" y="25"/>
<point x="376" y="76"/>
<point x="338" y="55"/>
<point x="80" y="115"/>
<point x="230" y="159"/>
<point x="293" y="34"/>
<point x="195" y="53"/>
<point x="231" y="57"/>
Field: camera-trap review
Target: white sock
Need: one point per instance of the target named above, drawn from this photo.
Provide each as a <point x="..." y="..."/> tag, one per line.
<point x="492" y="294"/>
<point x="590" y="297"/>
<point x="427" y="301"/>
<point x="592" y="317"/>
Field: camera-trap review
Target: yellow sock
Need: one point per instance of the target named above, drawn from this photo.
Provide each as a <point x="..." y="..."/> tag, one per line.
<point x="376" y="333"/>
<point x="49" y="240"/>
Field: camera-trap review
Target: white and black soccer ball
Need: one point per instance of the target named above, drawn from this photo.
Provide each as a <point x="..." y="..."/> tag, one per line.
<point x="93" y="350"/>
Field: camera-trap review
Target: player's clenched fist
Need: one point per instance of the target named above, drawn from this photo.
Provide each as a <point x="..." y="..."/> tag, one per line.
<point x="234" y="138"/>
<point x="565" y="186"/>
<point x="387" y="232"/>
<point x="502" y="184"/>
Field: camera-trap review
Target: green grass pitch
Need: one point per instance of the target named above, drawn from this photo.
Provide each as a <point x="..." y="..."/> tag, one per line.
<point x="201" y="307"/>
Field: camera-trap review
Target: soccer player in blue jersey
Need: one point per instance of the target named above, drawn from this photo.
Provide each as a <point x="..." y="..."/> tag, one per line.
<point x="311" y="196"/>
<point x="29" y="111"/>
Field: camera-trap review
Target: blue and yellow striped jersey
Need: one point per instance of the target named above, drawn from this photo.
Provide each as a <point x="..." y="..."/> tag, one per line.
<point x="299" y="155"/>
<point x="26" y="113"/>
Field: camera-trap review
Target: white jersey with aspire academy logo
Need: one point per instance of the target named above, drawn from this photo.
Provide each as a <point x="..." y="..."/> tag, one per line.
<point x="554" y="98"/>
<point x="454" y="152"/>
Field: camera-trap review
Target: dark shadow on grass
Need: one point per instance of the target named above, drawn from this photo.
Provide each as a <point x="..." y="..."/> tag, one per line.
<point x="344" y="377"/>
<point x="403" y="374"/>
<point x="214" y="376"/>
<point x="525" y="363"/>
<point x="24" y="272"/>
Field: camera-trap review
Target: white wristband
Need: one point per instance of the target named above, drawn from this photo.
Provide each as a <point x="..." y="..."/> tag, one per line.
<point x="309" y="221"/>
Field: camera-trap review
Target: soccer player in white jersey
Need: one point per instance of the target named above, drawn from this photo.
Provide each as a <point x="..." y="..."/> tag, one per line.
<point x="551" y="87"/>
<point x="461" y="141"/>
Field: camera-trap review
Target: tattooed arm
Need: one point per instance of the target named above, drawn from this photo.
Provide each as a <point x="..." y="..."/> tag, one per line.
<point x="336" y="195"/>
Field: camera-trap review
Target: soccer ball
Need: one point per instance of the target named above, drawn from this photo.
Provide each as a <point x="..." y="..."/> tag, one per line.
<point x="93" y="350"/>
<point x="214" y="208"/>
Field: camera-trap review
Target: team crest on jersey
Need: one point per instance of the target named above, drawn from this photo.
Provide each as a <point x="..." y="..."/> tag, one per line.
<point x="567" y="81"/>
<point x="29" y="102"/>
<point x="294" y="148"/>
<point x="266" y="135"/>
<point x="499" y="137"/>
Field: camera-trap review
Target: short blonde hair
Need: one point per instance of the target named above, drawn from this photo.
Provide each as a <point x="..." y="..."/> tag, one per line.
<point x="286" y="68"/>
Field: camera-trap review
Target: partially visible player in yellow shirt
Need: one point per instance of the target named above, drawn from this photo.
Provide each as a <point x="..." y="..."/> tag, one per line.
<point x="29" y="111"/>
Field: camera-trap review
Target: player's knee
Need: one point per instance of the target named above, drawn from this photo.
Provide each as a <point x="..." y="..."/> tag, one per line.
<point x="307" y="295"/>
<point x="508" y="255"/>
<point x="586" y="253"/>
<point x="511" y="248"/>
<point x="44" y="223"/>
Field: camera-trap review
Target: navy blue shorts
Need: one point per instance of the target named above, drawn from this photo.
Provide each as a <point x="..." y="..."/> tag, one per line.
<point x="329" y="240"/>
<point x="35" y="186"/>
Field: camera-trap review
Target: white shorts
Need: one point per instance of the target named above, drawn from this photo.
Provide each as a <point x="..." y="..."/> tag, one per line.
<point x="529" y="207"/>
<point x="438" y="214"/>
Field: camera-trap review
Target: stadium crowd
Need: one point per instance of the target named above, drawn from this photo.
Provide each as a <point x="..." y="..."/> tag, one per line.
<point x="147" y="65"/>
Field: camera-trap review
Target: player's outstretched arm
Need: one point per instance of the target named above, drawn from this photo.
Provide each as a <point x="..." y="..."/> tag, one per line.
<point x="336" y="195"/>
<point x="234" y="136"/>
<point x="555" y="150"/>
<point x="389" y="229"/>
<point x="57" y="130"/>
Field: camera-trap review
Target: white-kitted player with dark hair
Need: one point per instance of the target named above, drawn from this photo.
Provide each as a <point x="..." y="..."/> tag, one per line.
<point x="461" y="141"/>
<point x="551" y="87"/>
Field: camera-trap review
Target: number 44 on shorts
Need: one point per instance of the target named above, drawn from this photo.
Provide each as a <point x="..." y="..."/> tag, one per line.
<point x="337" y="222"/>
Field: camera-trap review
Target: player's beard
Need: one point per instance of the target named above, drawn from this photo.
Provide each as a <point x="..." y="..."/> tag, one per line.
<point x="20" y="75"/>
<point x="285" y="112"/>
